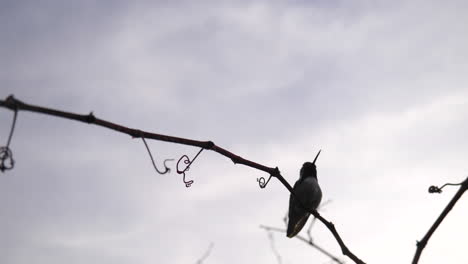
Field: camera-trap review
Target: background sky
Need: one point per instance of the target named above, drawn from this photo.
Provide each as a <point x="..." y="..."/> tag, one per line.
<point x="379" y="86"/>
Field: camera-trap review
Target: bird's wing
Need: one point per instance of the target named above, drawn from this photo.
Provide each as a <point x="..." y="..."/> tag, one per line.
<point x="294" y="227"/>
<point x="297" y="216"/>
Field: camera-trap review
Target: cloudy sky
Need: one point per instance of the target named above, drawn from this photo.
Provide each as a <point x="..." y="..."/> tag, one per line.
<point x="380" y="86"/>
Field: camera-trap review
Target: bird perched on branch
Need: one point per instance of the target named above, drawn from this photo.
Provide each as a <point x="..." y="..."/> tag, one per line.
<point x="308" y="195"/>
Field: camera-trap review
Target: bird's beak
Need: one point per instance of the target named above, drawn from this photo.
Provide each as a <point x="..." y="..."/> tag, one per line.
<point x="316" y="157"/>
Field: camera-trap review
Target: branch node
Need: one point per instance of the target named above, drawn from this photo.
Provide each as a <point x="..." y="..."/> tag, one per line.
<point x="421" y="244"/>
<point x="90" y="118"/>
<point x="11" y="103"/>
<point x="276" y="172"/>
<point x="136" y="133"/>
<point x="10" y="99"/>
<point x="235" y="159"/>
<point x="209" y="145"/>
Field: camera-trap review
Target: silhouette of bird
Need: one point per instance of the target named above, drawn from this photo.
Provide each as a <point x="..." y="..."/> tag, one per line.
<point x="308" y="192"/>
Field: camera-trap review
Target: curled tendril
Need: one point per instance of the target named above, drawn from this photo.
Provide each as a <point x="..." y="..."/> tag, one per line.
<point x="6" y="159"/>
<point x="262" y="182"/>
<point x="6" y="155"/>
<point x="435" y="189"/>
<point x="166" y="168"/>
<point x="188" y="162"/>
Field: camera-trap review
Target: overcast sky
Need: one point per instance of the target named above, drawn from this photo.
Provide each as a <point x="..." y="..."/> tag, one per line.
<point x="380" y="86"/>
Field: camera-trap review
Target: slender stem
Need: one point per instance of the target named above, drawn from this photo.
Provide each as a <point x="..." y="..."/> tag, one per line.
<point x="17" y="105"/>
<point x="421" y="244"/>
<point x="12" y="130"/>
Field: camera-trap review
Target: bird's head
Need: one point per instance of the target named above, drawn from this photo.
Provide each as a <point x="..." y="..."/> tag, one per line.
<point x="309" y="169"/>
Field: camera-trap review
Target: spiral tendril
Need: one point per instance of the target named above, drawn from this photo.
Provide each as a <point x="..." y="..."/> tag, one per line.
<point x="262" y="182"/>
<point x="435" y="189"/>
<point x="186" y="160"/>
<point x="6" y="155"/>
<point x="6" y="159"/>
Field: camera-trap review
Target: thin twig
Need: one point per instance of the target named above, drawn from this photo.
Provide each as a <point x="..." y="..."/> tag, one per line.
<point x="421" y="244"/>
<point x="16" y="105"/>
<point x="305" y="240"/>
<point x="273" y="247"/>
<point x="309" y="230"/>
<point x="206" y="255"/>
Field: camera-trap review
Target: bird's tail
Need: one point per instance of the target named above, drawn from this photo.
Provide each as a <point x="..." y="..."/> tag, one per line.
<point x="294" y="227"/>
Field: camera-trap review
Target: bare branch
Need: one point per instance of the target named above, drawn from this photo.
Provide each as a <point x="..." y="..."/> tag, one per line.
<point x="16" y="105"/>
<point x="421" y="244"/>
<point x="305" y="240"/>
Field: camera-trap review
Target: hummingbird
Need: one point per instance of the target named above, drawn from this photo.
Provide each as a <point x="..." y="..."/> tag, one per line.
<point x="308" y="192"/>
